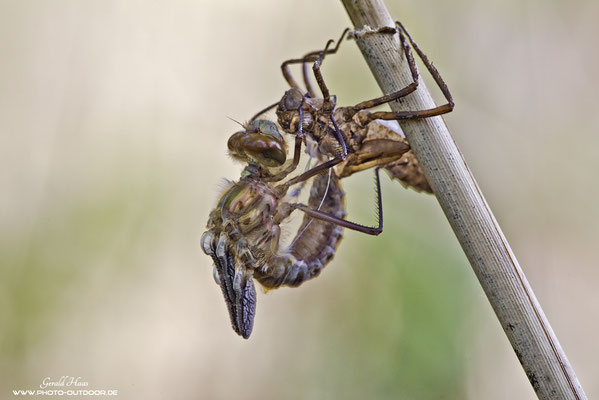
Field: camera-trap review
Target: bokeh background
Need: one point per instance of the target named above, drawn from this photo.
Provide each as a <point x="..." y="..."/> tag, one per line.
<point x="113" y="123"/>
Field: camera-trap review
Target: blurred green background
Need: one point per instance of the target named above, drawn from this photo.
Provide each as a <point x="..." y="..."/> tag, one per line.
<point x="113" y="122"/>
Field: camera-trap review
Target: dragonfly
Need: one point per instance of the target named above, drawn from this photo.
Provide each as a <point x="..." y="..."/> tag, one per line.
<point x="243" y="236"/>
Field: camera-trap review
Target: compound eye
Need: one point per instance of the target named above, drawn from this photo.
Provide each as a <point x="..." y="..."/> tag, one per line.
<point x="261" y="143"/>
<point x="265" y="127"/>
<point x="266" y="150"/>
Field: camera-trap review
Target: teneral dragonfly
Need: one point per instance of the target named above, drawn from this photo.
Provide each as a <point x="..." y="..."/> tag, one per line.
<point x="244" y="228"/>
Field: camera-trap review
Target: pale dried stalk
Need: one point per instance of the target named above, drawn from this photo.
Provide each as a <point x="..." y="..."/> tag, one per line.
<point x="478" y="232"/>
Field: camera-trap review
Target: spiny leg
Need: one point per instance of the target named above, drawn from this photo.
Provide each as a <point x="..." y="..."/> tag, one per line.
<point x="320" y="54"/>
<point x="402" y="92"/>
<point x="411" y="87"/>
<point x="418" y="114"/>
<point x="431" y="68"/>
<point x="348" y="224"/>
<point x="284" y="187"/>
<point x="310" y="57"/>
<point x="326" y="95"/>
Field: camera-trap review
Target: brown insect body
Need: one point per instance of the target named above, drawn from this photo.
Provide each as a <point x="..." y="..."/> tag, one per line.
<point x="244" y="228"/>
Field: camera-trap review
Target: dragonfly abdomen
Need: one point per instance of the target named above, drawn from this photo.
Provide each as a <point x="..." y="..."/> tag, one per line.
<point x="315" y="243"/>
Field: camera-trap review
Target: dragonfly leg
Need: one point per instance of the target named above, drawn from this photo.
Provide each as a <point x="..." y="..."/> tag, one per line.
<point x="282" y="188"/>
<point x="308" y="58"/>
<point x="402" y="92"/>
<point x="419" y="114"/>
<point x="296" y="157"/>
<point x="348" y="224"/>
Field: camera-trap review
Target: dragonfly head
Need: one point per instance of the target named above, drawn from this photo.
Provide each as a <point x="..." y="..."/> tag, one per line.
<point x="260" y="143"/>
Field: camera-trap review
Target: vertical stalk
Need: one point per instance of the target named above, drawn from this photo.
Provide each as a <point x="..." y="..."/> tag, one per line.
<point x="479" y="234"/>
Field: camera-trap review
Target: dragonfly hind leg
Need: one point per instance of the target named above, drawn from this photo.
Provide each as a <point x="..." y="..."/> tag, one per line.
<point x="348" y="224"/>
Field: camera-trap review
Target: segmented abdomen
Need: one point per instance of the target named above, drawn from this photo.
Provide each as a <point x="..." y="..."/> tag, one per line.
<point x="316" y="241"/>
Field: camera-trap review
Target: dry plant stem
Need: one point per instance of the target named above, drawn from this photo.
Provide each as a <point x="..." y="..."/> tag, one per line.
<point x="488" y="251"/>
